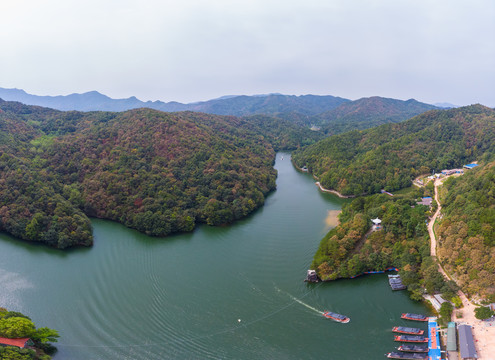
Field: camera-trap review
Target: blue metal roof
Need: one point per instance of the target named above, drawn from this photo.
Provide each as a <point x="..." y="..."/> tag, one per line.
<point x="470" y="166"/>
<point x="466" y="342"/>
<point x="434" y="352"/>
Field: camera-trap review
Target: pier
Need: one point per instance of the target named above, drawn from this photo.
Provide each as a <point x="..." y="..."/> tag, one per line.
<point x="433" y="340"/>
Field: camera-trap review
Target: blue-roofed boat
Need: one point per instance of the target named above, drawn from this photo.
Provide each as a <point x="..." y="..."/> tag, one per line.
<point x="404" y="355"/>
<point x="415" y="317"/>
<point x="408" y="330"/>
<point x="413" y="348"/>
<point x="337" y="317"/>
<point x="411" y="338"/>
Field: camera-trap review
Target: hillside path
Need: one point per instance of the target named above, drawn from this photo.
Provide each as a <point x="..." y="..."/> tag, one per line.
<point x="484" y="333"/>
<point x="433" y="242"/>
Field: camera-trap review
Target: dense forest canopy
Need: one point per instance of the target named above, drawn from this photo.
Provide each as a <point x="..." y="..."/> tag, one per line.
<point x="391" y="155"/>
<point x="369" y="112"/>
<point x="352" y="248"/>
<point x="466" y="231"/>
<point x="156" y="172"/>
<point x="282" y="134"/>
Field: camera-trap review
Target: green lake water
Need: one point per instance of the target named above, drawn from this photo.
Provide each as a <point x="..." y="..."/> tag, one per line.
<point x="233" y="292"/>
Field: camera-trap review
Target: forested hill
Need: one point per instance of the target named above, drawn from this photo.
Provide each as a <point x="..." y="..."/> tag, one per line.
<point x="369" y="112"/>
<point x="156" y="172"/>
<point x="391" y="155"/>
<point x="466" y="231"/>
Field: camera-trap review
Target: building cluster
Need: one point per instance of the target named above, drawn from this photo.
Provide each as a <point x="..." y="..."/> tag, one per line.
<point x="452" y="172"/>
<point x="464" y="334"/>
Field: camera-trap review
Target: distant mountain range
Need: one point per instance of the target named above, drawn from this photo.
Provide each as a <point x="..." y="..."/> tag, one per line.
<point x="226" y="105"/>
<point x="333" y="114"/>
<point x="89" y="101"/>
<point x="445" y="105"/>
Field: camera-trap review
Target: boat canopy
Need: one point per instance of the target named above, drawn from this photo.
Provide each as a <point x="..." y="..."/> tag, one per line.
<point x="337" y="316"/>
<point x="401" y="355"/>
<point x="412" y="337"/>
<point x="409" y="329"/>
<point x="413" y="347"/>
<point x="415" y="316"/>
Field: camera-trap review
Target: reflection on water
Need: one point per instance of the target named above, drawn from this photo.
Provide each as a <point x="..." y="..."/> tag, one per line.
<point x="181" y="297"/>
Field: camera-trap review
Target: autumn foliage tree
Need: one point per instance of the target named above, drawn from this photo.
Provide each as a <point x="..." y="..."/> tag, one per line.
<point x="159" y="173"/>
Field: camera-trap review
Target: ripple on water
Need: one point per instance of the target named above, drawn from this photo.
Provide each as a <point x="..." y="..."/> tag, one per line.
<point x="136" y="297"/>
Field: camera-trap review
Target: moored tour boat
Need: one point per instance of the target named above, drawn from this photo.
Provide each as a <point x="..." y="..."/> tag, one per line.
<point x="415" y="317"/>
<point x="411" y="338"/>
<point x="413" y="348"/>
<point x="408" y="330"/>
<point x="337" y="317"/>
<point x="409" y="356"/>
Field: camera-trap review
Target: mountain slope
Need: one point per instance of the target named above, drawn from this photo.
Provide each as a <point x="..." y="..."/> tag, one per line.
<point x="157" y="172"/>
<point x="389" y="156"/>
<point x="466" y="230"/>
<point x="369" y="112"/>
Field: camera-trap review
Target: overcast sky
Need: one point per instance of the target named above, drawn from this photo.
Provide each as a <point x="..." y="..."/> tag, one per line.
<point x="192" y="50"/>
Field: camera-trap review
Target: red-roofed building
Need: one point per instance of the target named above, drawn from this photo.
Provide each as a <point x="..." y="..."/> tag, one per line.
<point x="20" y="342"/>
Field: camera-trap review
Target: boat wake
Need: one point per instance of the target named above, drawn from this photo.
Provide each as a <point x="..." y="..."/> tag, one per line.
<point x="300" y="302"/>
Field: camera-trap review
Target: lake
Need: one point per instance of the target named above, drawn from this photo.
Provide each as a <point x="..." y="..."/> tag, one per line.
<point x="233" y="292"/>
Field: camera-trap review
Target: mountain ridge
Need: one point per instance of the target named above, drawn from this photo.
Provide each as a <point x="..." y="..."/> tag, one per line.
<point x="95" y="101"/>
<point x="370" y="111"/>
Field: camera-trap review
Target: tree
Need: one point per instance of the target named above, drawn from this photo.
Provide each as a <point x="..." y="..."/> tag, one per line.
<point x="13" y="353"/>
<point x="446" y="311"/>
<point x="483" y="312"/>
<point x="457" y="301"/>
<point x="16" y="327"/>
<point x="45" y="334"/>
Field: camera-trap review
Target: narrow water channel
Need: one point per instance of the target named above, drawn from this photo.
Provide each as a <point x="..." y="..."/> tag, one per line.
<point x="233" y="292"/>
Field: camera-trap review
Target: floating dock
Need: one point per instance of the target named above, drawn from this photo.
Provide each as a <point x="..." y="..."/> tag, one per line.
<point x="433" y="340"/>
<point x="396" y="282"/>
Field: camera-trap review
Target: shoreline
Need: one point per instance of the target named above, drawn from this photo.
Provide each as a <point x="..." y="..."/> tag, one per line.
<point x="335" y="192"/>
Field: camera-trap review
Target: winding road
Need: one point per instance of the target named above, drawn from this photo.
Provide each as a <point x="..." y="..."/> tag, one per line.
<point x="433" y="242"/>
